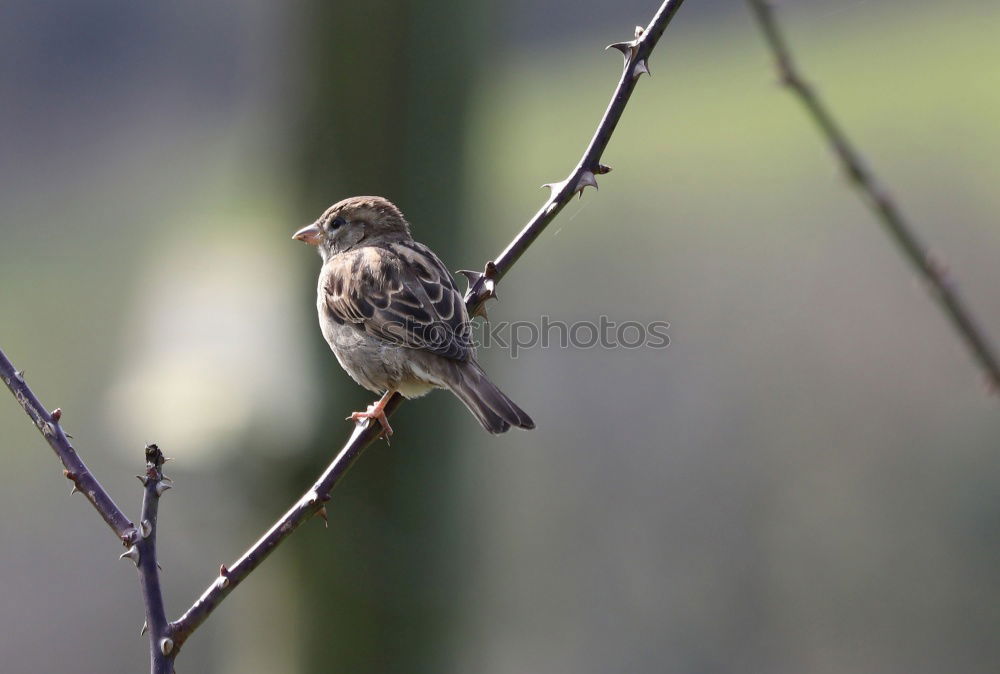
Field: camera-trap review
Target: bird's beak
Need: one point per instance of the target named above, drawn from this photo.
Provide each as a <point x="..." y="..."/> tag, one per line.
<point x="308" y="235"/>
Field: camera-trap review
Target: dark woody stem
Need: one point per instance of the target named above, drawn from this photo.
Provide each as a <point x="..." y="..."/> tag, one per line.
<point x="74" y="469"/>
<point x="636" y="52"/>
<point x="141" y="540"/>
<point x="481" y="288"/>
<point x="143" y="553"/>
<point x="313" y="502"/>
<point x="878" y="199"/>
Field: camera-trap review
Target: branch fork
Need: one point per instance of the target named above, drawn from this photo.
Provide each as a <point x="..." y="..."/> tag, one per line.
<point x="167" y="638"/>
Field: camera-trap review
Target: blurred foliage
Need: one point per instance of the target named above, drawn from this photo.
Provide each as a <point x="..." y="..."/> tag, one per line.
<point x="805" y="480"/>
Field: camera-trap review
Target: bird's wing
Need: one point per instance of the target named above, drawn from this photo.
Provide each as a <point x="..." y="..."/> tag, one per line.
<point x="401" y="293"/>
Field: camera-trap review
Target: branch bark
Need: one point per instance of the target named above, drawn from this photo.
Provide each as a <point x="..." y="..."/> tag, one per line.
<point x="934" y="273"/>
<point x="311" y="503"/>
<point x="166" y="639"/>
<point x="74" y="469"/>
<point x="482" y="286"/>
<point x="143" y="553"/>
<point x="141" y="540"/>
<point x="636" y="53"/>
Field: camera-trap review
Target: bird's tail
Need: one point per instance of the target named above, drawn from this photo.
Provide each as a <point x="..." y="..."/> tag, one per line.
<point x="495" y="411"/>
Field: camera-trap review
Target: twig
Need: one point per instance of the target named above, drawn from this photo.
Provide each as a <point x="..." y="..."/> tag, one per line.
<point x="143" y="553"/>
<point x="482" y="286"/>
<point x="313" y="502"/>
<point x="878" y="199"/>
<point x="167" y="639"/>
<point x="636" y="52"/>
<point x="75" y="470"/>
<point x="141" y="540"/>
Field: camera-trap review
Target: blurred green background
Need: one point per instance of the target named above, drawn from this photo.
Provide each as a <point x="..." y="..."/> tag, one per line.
<point x="806" y="480"/>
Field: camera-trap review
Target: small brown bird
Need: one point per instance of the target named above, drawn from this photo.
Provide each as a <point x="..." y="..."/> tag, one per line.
<point x="392" y="315"/>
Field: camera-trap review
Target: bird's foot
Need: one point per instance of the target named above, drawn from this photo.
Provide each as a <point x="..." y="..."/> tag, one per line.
<point x="377" y="412"/>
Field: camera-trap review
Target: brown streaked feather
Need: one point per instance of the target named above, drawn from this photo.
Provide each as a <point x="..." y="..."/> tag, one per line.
<point x="401" y="293"/>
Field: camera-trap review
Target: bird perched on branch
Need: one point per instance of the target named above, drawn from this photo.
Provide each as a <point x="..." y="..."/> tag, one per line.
<point x="392" y="315"/>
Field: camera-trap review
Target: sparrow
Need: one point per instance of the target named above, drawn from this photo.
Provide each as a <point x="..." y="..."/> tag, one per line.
<point x="390" y="311"/>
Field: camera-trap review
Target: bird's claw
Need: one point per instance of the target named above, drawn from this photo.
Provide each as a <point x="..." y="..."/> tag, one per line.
<point x="374" y="412"/>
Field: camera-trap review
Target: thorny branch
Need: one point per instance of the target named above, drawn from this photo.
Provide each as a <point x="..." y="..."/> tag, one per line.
<point x="141" y="540"/>
<point x="482" y="286"/>
<point x="143" y="553"/>
<point x="74" y="469"/>
<point x="636" y="52"/>
<point x="313" y="502"/>
<point x="166" y="639"/>
<point x="879" y="200"/>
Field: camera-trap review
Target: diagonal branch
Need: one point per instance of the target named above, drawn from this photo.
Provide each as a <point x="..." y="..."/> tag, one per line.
<point x="75" y="470"/>
<point x="141" y="540"/>
<point x="636" y="54"/>
<point x="313" y="502"/>
<point x="482" y="287"/>
<point x="934" y="273"/>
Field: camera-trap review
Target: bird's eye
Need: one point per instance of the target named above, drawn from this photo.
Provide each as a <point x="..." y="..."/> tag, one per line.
<point x="337" y="222"/>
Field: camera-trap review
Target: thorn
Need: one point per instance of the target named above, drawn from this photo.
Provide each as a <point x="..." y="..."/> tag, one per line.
<point x="167" y="458"/>
<point x="639" y="30"/>
<point x="167" y="479"/>
<point x="19" y="375"/>
<point x="489" y="274"/>
<point x="132" y="553"/>
<point x="74" y="490"/>
<point x="628" y="49"/>
<point x="326" y="520"/>
<point x="166" y="645"/>
<point x="143" y="479"/>
<point x="158" y="567"/>
<point x="481" y="311"/>
<point x="162" y="487"/>
<point x="586" y="179"/>
<point x="68" y="435"/>
<point x="145" y="528"/>
<point x="223" y="582"/>
<point x="223" y="571"/>
<point x="556" y="188"/>
<point x="145" y="627"/>
<point x="602" y="169"/>
<point x="470" y="276"/>
<point x="639" y="69"/>
<point x="56" y="414"/>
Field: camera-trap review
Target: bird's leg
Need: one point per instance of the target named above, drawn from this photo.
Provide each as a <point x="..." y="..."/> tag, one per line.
<point x="377" y="411"/>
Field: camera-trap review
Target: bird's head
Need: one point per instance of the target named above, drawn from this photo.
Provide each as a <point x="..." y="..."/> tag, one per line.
<point x="355" y="221"/>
